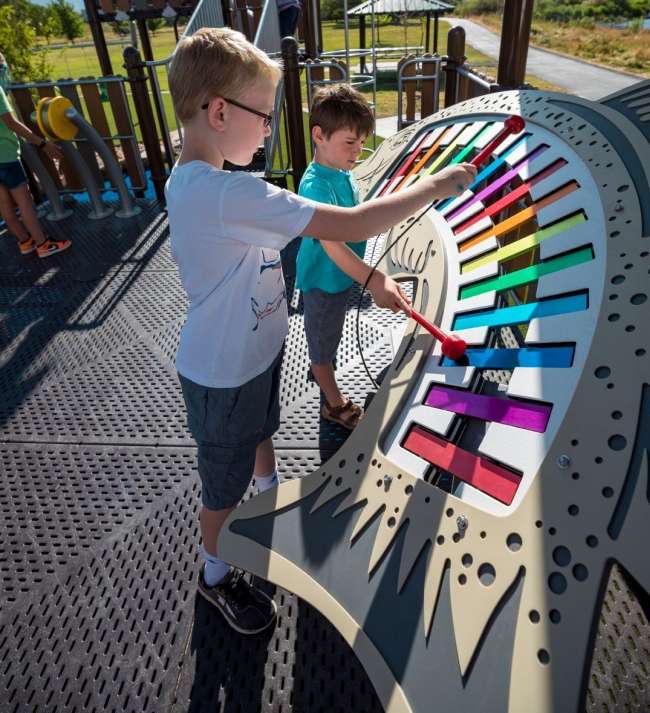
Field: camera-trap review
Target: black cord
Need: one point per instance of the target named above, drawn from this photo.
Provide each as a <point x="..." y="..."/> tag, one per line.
<point x="371" y="273"/>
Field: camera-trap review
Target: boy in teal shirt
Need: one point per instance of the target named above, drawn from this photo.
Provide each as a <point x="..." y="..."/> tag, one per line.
<point x="340" y="122"/>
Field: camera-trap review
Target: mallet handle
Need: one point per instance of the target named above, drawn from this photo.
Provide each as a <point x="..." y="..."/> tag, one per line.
<point x="512" y="125"/>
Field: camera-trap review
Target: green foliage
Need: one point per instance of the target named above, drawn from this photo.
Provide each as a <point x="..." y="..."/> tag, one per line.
<point x="120" y="28"/>
<point x="16" y="41"/>
<point x="576" y="10"/>
<point x="71" y="22"/>
<point x="45" y="21"/>
<point x="479" y="7"/>
<point x="156" y="23"/>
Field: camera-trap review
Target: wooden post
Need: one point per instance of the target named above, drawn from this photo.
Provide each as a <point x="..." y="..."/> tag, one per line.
<point x="362" y="42"/>
<point x="515" y="37"/>
<point x="456" y="57"/>
<point x="310" y="30"/>
<point x="98" y="38"/>
<point x="138" y="82"/>
<point x="294" y="109"/>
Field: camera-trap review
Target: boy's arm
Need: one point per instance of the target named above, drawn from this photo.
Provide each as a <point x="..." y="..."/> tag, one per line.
<point x="28" y="135"/>
<point x="378" y="215"/>
<point x="385" y="291"/>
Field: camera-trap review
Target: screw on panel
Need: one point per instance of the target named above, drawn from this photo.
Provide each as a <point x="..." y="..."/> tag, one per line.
<point x="388" y="479"/>
<point x="462" y="523"/>
<point x="563" y="462"/>
<point x="618" y="208"/>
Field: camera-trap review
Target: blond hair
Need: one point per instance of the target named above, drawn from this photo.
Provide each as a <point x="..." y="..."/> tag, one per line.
<point x="215" y="62"/>
<point x="340" y="106"/>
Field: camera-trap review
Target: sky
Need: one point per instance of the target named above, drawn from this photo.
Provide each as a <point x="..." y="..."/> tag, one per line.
<point x="77" y="3"/>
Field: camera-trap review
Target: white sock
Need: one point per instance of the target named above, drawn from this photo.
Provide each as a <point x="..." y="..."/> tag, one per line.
<point x="264" y="482"/>
<point x="215" y="569"/>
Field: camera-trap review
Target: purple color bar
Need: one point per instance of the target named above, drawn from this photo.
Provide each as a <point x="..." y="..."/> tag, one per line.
<point x="499" y="183"/>
<point x="527" y="415"/>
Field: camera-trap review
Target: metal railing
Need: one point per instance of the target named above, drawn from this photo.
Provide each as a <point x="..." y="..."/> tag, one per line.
<point x="436" y="60"/>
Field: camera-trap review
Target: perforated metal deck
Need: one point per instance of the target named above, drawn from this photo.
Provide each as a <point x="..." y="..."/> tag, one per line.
<point x="99" y="500"/>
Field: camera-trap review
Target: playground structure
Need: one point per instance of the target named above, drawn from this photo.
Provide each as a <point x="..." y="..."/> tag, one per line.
<point x="460" y="539"/>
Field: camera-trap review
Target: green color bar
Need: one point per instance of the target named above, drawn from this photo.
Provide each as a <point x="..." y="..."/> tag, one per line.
<point x="528" y="274"/>
<point x="461" y="155"/>
<point x="508" y="252"/>
<point x="446" y="153"/>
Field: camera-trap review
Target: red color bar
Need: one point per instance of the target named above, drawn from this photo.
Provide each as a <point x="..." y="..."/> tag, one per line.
<point x="511" y="197"/>
<point x="406" y="165"/>
<point x="512" y="125"/>
<point x="482" y="474"/>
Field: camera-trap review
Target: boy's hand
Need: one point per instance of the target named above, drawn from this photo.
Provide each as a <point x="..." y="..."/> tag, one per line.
<point x="387" y="293"/>
<point x="454" y="180"/>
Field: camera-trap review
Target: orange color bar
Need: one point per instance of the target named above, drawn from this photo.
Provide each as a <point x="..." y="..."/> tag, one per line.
<point x="424" y="159"/>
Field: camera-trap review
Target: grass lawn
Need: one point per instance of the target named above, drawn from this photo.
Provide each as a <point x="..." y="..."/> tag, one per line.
<point x="625" y="49"/>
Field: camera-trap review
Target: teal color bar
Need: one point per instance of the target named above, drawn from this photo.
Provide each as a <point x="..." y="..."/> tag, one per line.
<point x="560" y="357"/>
<point x="521" y="314"/>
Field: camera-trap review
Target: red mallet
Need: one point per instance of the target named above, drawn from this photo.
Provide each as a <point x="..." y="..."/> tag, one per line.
<point x="512" y="125"/>
<point x="451" y="346"/>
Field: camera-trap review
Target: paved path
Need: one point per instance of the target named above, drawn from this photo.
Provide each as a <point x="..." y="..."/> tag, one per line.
<point x="574" y="76"/>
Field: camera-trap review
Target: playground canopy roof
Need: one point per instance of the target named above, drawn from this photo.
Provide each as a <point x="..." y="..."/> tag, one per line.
<point x="396" y="7"/>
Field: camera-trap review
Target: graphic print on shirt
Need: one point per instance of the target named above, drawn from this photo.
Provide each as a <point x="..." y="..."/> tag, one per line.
<point x="272" y="263"/>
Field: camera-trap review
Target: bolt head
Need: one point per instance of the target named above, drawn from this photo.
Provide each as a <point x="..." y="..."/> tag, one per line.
<point x="618" y="208"/>
<point x="462" y="523"/>
<point x="563" y="461"/>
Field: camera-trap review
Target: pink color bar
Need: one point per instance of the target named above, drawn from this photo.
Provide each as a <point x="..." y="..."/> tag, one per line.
<point x="498" y="184"/>
<point x="481" y="473"/>
<point x="527" y="415"/>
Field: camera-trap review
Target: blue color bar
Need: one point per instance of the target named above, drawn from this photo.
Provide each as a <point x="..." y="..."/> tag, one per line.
<point x="521" y="314"/>
<point x="543" y="357"/>
<point x="488" y="170"/>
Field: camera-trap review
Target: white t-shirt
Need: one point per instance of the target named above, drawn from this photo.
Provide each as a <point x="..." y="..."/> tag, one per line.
<point x="226" y="232"/>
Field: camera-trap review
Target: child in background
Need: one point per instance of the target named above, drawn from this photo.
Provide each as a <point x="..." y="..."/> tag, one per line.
<point x="14" y="191"/>
<point x="340" y="121"/>
<point x="226" y="233"/>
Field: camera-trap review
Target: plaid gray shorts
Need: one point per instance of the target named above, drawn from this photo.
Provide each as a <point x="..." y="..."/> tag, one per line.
<point x="324" y="318"/>
<point x="228" y="425"/>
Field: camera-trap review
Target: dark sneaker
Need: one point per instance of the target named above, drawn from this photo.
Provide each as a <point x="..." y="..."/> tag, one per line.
<point x="246" y="608"/>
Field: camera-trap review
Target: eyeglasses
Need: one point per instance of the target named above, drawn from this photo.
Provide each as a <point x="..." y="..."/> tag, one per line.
<point x="268" y="118"/>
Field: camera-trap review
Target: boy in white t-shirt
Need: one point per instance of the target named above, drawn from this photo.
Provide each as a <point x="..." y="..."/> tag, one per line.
<point x="226" y="233"/>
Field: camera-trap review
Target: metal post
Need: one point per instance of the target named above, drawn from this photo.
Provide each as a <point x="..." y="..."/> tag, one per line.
<point x="98" y="38"/>
<point x="98" y="209"/>
<point x="147" y="51"/>
<point x="138" y="82"/>
<point x="310" y="34"/>
<point x="455" y="58"/>
<point x="427" y="33"/>
<point x="294" y="108"/>
<point x="362" y="43"/>
<point x="515" y="37"/>
<point x="58" y="211"/>
<point x="436" y="18"/>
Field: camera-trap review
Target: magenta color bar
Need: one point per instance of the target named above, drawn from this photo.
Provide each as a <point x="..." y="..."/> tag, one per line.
<point x="499" y="183"/>
<point x="527" y="415"/>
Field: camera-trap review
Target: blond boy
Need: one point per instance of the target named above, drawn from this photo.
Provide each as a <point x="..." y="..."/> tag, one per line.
<point x="226" y="233"/>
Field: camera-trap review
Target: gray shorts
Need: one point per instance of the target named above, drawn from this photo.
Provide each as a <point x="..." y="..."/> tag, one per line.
<point x="324" y="318"/>
<point x="228" y="425"/>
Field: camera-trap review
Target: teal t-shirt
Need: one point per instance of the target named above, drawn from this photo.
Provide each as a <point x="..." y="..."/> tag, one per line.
<point x="9" y="144"/>
<point x="314" y="268"/>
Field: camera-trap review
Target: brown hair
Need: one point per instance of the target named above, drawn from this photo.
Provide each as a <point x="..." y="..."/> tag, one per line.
<point x="340" y="106"/>
<point x="215" y="62"/>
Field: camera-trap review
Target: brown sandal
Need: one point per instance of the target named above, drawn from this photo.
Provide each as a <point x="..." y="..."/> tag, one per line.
<point x="348" y="415"/>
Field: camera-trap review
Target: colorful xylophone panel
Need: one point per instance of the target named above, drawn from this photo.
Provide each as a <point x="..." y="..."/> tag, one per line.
<point x="522" y="246"/>
<point x="482" y="592"/>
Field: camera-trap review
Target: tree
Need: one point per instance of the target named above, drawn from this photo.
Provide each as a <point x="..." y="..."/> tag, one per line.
<point x="16" y="40"/>
<point x="45" y="21"/>
<point x="72" y="25"/>
<point x="155" y="24"/>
